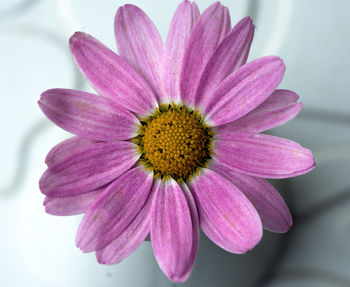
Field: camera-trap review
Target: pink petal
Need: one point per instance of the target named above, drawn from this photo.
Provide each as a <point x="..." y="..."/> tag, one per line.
<point x="211" y="27"/>
<point x="195" y="228"/>
<point x="263" y="155"/>
<point x="139" y="42"/>
<point x="244" y="90"/>
<point x="89" y="166"/>
<point x="179" y="31"/>
<point x="274" y="213"/>
<point x="65" y="147"/>
<point x="226" y="216"/>
<point x="173" y="233"/>
<point x="229" y="56"/>
<point x="110" y="75"/>
<point x="278" y="109"/>
<point x="129" y="239"/>
<point x="114" y="210"/>
<point x="71" y="205"/>
<point x="87" y="115"/>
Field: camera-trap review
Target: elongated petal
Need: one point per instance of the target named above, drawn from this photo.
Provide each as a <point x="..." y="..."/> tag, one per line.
<point x="244" y="90"/>
<point x="226" y="216"/>
<point x="195" y="228"/>
<point x="263" y="155"/>
<point x="139" y="42"/>
<point x="229" y="56"/>
<point x="212" y="26"/>
<point x="274" y="213"/>
<point x="278" y="109"/>
<point x="65" y="147"/>
<point x="71" y="205"/>
<point x="114" y="210"/>
<point x="130" y="238"/>
<point x="90" y="166"/>
<point x="110" y="75"/>
<point x="87" y="115"/>
<point x="172" y="231"/>
<point x="179" y="31"/>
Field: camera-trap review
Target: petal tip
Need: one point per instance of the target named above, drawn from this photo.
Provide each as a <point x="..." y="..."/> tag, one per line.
<point x="129" y="7"/>
<point x="313" y="164"/>
<point x="247" y="21"/>
<point x="100" y="259"/>
<point x="283" y="226"/>
<point x="79" y="243"/>
<point x="41" y="104"/>
<point x="284" y="229"/>
<point x="273" y="59"/>
<point x="49" y="211"/>
<point x="279" y="61"/>
<point x="76" y="36"/>
<point x="288" y="225"/>
<point x="178" y="279"/>
<point x="299" y="107"/>
<point x="306" y="170"/>
<point x="42" y="185"/>
<point x="44" y="95"/>
<point x="78" y="39"/>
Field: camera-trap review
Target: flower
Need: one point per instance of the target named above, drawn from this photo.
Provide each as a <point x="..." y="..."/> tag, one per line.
<point x="172" y="142"/>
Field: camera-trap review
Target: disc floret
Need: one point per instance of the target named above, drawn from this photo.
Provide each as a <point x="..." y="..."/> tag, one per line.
<point x="174" y="142"/>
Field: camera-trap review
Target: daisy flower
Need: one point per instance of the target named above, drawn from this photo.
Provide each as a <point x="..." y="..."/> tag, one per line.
<point x="172" y="144"/>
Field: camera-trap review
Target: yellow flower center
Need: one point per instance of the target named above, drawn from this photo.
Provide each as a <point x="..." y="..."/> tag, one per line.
<point x="174" y="142"/>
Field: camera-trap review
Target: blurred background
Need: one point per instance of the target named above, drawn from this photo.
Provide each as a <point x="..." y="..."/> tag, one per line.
<point x="37" y="249"/>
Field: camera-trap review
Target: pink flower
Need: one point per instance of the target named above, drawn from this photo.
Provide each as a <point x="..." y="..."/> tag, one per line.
<point x="172" y="142"/>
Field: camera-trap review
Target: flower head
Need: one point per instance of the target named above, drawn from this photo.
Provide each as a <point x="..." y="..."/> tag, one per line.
<point x="172" y="142"/>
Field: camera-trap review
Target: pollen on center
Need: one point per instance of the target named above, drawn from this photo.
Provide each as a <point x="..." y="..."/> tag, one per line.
<point x="174" y="142"/>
